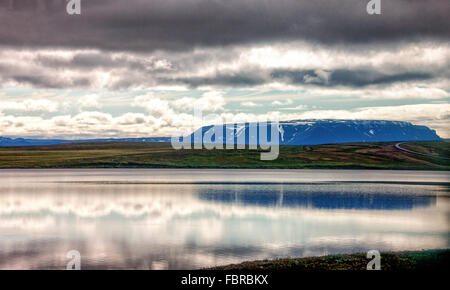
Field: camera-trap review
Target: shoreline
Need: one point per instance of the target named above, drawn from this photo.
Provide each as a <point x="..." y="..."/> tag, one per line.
<point x="428" y="260"/>
<point x="229" y="168"/>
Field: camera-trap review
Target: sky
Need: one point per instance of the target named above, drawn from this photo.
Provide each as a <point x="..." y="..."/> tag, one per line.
<point x="139" y="68"/>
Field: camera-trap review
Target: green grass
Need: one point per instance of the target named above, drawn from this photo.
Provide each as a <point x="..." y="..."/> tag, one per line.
<point x="432" y="260"/>
<point x="156" y="155"/>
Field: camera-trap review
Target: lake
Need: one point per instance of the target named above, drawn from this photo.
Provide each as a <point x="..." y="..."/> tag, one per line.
<point x="194" y="218"/>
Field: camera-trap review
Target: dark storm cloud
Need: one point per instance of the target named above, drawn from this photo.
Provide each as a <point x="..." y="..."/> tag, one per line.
<point x="346" y="77"/>
<point x="145" y="25"/>
<point x="50" y="81"/>
<point x="246" y="79"/>
<point x="341" y="77"/>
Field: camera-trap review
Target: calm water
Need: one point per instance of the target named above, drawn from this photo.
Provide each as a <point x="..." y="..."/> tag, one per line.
<point x="185" y="219"/>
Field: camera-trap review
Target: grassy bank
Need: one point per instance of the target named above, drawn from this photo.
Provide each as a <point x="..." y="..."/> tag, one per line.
<point x="433" y="260"/>
<point x="155" y="155"/>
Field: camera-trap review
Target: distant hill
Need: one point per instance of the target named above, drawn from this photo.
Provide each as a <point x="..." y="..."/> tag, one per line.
<point x="296" y="132"/>
<point x="314" y="132"/>
<point x="42" y="142"/>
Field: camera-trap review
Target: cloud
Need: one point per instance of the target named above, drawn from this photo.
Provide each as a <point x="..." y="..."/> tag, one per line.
<point x="132" y="119"/>
<point x="297" y="108"/>
<point x="346" y="77"/>
<point x="89" y="101"/>
<point x="295" y="65"/>
<point x="210" y="101"/>
<point x="29" y="105"/>
<point x="92" y="124"/>
<point x="250" y="104"/>
<point x="282" y="103"/>
<point x="414" y="90"/>
<point x="142" y="25"/>
<point x="405" y="112"/>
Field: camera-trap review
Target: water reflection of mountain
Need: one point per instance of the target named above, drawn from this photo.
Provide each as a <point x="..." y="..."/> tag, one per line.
<point x="317" y="199"/>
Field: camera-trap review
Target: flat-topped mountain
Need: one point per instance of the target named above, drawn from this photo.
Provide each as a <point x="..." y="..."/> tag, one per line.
<point x="313" y="132"/>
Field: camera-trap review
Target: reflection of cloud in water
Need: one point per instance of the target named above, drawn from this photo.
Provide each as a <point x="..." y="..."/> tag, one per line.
<point x="145" y="226"/>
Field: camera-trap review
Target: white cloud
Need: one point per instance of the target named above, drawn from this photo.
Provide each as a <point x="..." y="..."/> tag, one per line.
<point x="152" y="104"/>
<point x="132" y="119"/>
<point x="31" y="105"/>
<point x="282" y="102"/>
<point x="89" y="101"/>
<point x="93" y="118"/>
<point x="213" y="101"/>
<point x="250" y="104"/>
<point x="210" y="101"/>
<point x="392" y="92"/>
<point x="297" y="108"/>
